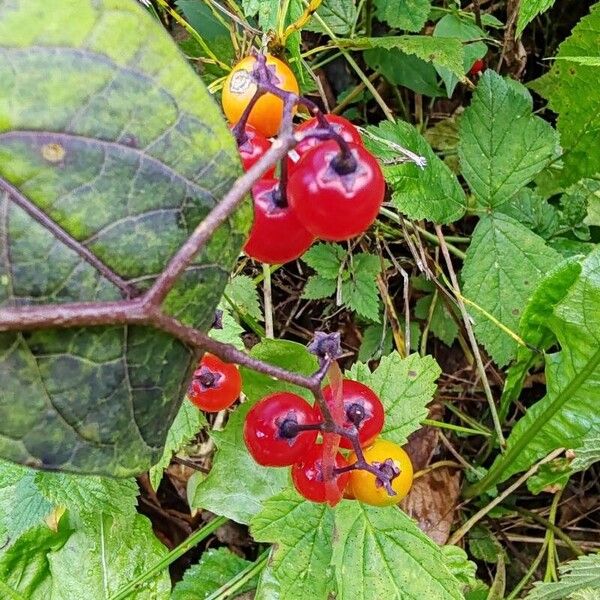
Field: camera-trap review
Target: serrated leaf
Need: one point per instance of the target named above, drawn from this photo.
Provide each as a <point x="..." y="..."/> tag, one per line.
<point x="242" y="292"/>
<point x="88" y="494"/>
<point x="382" y="553"/>
<point x="431" y="193"/>
<point x="105" y="554"/>
<point x="30" y="508"/>
<point x="339" y="16"/>
<point x="442" y="323"/>
<point x="302" y="531"/>
<point x="318" y="287"/>
<point x="410" y="15"/>
<point x="216" y="568"/>
<point x="405" y="386"/>
<point x="188" y="422"/>
<point x="107" y="131"/>
<point x="360" y="293"/>
<point x="531" y="210"/>
<point x="483" y="545"/>
<point x="569" y="410"/>
<point x="457" y="562"/>
<point x="230" y="332"/>
<point x="529" y="10"/>
<point x="504" y="263"/>
<point x="502" y="145"/>
<point x="551" y="476"/>
<point x="576" y="575"/>
<point x="442" y="52"/>
<point x="571" y="91"/>
<point x="375" y="343"/>
<point x="325" y="259"/>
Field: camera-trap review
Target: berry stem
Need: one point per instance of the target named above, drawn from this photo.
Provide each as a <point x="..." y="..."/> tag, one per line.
<point x="239" y="129"/>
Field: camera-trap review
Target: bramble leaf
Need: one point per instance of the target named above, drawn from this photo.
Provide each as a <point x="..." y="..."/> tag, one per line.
<point x="571" y="90"/>
<point x="339" y="16"/>
<point x="302" y="531"/>
<point x="405" y="387"/>
<point x="568" y="412"/>
<point x="575" y="576"/>
<point x="410" y="15"/>
<point x="108" y="136"/>
<point x="432" y="192"/>
<point x="504" y="263"/>
<point x="382" y="553"/>
<point x="528" y="10"/>
<point x="216" y="568"/>
<point x="502" y="145"/>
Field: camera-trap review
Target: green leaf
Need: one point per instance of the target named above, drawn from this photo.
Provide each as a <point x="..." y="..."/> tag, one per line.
<point x="103" y="555"/>
<point x="231" y="331"/>
<point x="88" y="494"/>
<point x="405" y="69"/>
<point x="242" y="292"/>
<point x="585" y="193"/>
<point x="571" y="91"/>
<point x="531" y="210"/>
<point x="575" y="576"/>
<point x="442" y="325"/>
<point x="504" y="263"/>
<point x="236" y="486"/>
<point x="318" y="287"/>
<point x="216" y="568"/>
<point x="188" y="422"/>
<point x="382" y="553"/>
<point x="456" y="561"/>
<point x="375" y="343"/>
<point x="502" y="145"/>
<point x="108" y="132"/>
<point x="286" y="354"/>
<point x="339" y="16"/>
<point x="483" y="545"/>
<point x="360" y="292"/>
<point x="529" y="10"/>
<point x="431" y="193"/>
<point x="588" y="452"/>
<point x="30" y="508"/>
<point x="299" y="565"/>
<point x="569" y="410"/>
<point x="405" y="387"/>
<point x="410" y="15"/>
<point x="552" y="476"/>
<point x="533" y="325"/>
<point x="443" y="52"/>
<point x="325" y="259"/>
<point x="24" y="567"/>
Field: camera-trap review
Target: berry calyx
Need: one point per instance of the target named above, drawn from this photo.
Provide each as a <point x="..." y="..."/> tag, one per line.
<point x="309" y="477"/>
<point x="277" y="236"/>
<point x="251" y="147"/>
<point x="216" y="385"/>
<point x="394" y="462"/>
<point x="340" y="125"/>
<point x="336" y="197"/>
<point x="363" y="411"/>
<point x="280" y="429"/>
<point x="239" y="89"/>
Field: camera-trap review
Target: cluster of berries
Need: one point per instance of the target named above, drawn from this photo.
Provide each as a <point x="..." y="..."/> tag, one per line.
<point x="283" y="430"/>
<point x="329" y="187"/>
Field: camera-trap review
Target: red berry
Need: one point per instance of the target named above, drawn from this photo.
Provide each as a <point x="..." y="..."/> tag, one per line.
<point x="362" y="409"/>
<point x="253" y="146"/>
<point x="271" y="429"/>
<point x="277" y="236"/>
<point x="478" y="66"/>
<point x="216" y="384"/>
<point x="333" y="201"/>
<point x="340" y="125"/>
<point x="309" y="478"/>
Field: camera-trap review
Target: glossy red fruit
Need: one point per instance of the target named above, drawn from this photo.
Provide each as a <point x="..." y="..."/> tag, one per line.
<point x="216" y="384"/>
<point x="252" y="148"/>
<point x="340" y="125"/>
<point x="277" y="236"/>
<point x="271" y="429"/>
<point x="332" y="201"/>
<point x="478" y="66"/>
<point x="309" y="478"/>
<point x="362" y="409"/>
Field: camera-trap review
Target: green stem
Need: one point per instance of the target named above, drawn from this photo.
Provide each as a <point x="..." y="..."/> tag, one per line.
<point x="170" y="558"/>
<point x="236" y="583"/>
<point x="457" y="428"/>
<point x="530" y="572"/>
<point x="494" y="474"/>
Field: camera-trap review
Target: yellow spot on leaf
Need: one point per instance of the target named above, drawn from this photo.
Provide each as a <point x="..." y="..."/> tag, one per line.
<point x="53" y="152"/>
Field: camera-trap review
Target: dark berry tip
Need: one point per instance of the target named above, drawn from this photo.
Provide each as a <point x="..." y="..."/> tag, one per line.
<point x="344" y="163"/>
<point x="326" y="345"/>
<point x="356" y="414"/>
